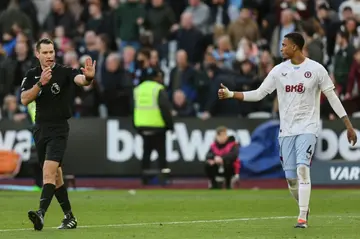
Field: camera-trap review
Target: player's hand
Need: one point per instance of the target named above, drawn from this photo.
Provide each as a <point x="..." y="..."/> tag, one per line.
<point x="352" y="138"/>
<point x="46" y="75"/>
<point x="211" y="162"/>
<point x="89" y="68"/>
<point x="224" y="92"/>
<point x="218" y="160"/>
<point x="347" y="96"/>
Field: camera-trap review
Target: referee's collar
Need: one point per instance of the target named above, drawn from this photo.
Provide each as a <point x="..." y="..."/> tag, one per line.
<point x="52" y="67"/>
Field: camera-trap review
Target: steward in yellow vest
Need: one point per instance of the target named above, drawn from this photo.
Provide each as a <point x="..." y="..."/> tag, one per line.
<point x="152" y="118"/>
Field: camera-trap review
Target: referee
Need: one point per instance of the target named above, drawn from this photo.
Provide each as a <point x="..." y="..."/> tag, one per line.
<point x="50" y="86"/>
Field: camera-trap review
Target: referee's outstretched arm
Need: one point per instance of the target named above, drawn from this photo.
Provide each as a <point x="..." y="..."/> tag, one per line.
<point x="30" y="89"/>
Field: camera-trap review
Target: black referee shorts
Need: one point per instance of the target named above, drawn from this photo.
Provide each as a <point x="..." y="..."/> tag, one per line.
<point x="50" y="141"/>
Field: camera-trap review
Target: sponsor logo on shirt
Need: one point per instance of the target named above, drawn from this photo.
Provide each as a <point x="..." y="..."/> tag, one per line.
<point x="299" y="88"/>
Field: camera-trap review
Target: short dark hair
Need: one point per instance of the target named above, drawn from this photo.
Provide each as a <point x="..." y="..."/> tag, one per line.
<point x="145" y="52"/>
<point x="45" y="41"/>
<point x="347" y="8"/>
<point x="344" y="35"/>
<point x="296" y="38"/>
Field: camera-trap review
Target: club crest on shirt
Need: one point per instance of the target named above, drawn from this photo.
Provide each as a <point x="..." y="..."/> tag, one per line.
<point x="307" y="74"/>
<point x="55" y="88"/>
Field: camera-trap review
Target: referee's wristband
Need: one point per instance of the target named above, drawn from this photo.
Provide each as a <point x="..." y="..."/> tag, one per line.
<point x="39" y="84"/>
<point x="88" y="79"/>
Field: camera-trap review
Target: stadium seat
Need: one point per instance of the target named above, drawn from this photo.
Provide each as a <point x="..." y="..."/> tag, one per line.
<point x="70" y="181"/>
<point x="356" y="114"/>
<point x="259" y="115"/>
<point x="10" y="163"/>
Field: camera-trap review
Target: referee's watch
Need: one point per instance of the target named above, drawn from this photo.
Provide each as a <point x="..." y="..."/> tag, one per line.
<point x="39" y="84"/>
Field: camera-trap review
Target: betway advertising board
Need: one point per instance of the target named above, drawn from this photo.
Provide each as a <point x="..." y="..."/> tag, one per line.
<point x="111" y="147"/>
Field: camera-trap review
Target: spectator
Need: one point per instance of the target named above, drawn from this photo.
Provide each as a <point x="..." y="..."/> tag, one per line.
<point x="201" y="15"/>
<point x="60" y="16"/>
<point x="352" y="27"/>
<point x="222" y="160"/>
<point x="188" y="38"/>
<point x="354" y="76"/>
<point x="13" y="19"/>
<point x="314" y="47"/>
<point x="342" y="61"/>
<point x="300" y="8"/>
<point x="224" y="54"/>
<point x="113" y="83"/>
<point x="155" y="60"/>
<point x="102" y="45"/>
<point x="287" y="24"/>
<point x="11" y="110"/>
<point x="352" y="4"/>
<point x="97" y="20"/>
<point x="129" y="17"/>
<point x="219" y="13"/>
<point x="182" y="107"/>
<point x="243" y="27"/>
<point x="128" y="60"/>
<point x="159" y="20"/>
<point x="328" y="21"/>
<point x="183" y="77"/>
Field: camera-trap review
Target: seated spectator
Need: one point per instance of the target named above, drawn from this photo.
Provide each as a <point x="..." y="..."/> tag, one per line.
<point x="154" y="60"/>
<point x="128" y="59"/>
<point x="11" y="110"/>
<point x="223" y="160"/>
<point x="182" y="107"/>
<point x="224" y="53"/>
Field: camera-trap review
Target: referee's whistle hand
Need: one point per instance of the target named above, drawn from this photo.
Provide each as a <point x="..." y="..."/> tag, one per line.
<point x="46" y="75"/>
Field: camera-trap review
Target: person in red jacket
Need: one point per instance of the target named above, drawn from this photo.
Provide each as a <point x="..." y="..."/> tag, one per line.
<point x="222" y="160"/>
<point x="354" y="76"/>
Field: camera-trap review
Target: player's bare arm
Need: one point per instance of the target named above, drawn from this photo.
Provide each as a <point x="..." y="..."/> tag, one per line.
<point x="351" y="134"/>
<point x="30" y="95"/>
<point x="88" y="73"/>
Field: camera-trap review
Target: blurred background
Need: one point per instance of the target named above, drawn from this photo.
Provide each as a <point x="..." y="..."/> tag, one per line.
<point x="197" y="44"/>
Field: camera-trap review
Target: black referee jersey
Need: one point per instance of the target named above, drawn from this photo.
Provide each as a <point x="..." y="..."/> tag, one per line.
<point x="55" y="100"/>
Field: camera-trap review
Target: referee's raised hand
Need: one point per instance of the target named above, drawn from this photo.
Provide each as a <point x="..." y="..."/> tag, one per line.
<point x="46" y="75"/>
<point x="89" y="68"/>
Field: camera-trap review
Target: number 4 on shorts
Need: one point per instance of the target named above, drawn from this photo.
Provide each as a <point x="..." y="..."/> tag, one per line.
<point x="309" y="152"/>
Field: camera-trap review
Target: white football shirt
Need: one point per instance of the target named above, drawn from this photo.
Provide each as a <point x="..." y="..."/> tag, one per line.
<point x="298" y="90"/>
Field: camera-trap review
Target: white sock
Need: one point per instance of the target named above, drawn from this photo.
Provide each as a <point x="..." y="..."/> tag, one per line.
<point x="294" y="188"/>
<point x="304" y="190"/>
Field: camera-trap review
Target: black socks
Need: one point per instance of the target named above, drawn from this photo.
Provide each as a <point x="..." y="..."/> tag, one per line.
<point x="61" y="195"/>
<point x="47" y="194"/>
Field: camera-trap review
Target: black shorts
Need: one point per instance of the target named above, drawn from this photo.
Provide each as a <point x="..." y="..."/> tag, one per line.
<point x="50" y="141"/>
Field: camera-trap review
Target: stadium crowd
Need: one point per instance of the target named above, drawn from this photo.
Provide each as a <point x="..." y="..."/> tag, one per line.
<point x="196" y="44"/>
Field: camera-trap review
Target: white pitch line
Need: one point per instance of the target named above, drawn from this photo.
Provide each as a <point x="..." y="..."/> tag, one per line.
<point x="178" y="222"/>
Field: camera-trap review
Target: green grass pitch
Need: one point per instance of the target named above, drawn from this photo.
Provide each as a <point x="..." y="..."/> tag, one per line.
<point x="168" y="214"/>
